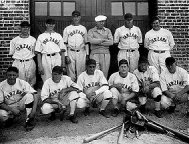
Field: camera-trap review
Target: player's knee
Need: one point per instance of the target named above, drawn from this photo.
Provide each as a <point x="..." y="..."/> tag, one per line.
<point x="130" y="106"/>
<point x="165" y="102"/>
<point x="47" y="108"/>
<point x="29" y="98"/>
<point x="81" y="103"/>
<point x="156" y="91"/>
<point x="107" y="94"/>
<point x="158" y="98"/>
<point x="4" y="115"/>
<point x="73" y="95"/>
<point x="142" y="100"/>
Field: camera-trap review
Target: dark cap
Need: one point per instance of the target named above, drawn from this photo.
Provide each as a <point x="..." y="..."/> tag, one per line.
<point x="25" y="24"/>
<point x="155" y="18"/>
<point x="76" y="13"/>
<point x="123" y="61"/>
<point x="90" y="61"/>
<point x="143" y="60"/>
<point x="57" y="69"/>
<point x="12" y="69"/>
<point x="169" y="61"/>
<point x="50" y="21"/>
<point x="128" y="16"/>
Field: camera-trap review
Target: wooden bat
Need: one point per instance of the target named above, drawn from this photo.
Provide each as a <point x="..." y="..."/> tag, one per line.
<point x="121" y="134"/>
<point x="97" y="135"/>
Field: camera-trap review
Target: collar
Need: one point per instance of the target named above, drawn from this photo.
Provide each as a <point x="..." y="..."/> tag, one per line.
<point x="99" y="29"/>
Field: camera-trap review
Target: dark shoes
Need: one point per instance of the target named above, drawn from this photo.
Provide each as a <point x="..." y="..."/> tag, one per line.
<point x="30" y="124"/>
<point x="142" y="109"/>
<point x="73" y="119"/>
<point x="53" y="116"/>
<point x="87" y="111"/>
<point x="171" y="109"/>
<point x="62" y="112"/>
<point x="115" y="112"/>
<point x="158" y="113"/>
<point x="9" y="122"/>
<point x="103" y="113"/>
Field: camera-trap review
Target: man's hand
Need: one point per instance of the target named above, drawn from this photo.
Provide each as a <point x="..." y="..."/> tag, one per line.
<point x="177" y="98"/>
<point x="40" y="70"/>
<point x="117" y="86"/>
<point x="67" y="60"/>
<point x="91" y="95"/>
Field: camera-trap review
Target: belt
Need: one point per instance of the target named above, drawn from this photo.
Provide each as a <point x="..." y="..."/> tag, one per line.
<point x="129" y="50"/>
<point x="24" y="60"/>
<point x="74" y="50"/>
<point x="53" y="54"/>
<point x="156" y="51"/>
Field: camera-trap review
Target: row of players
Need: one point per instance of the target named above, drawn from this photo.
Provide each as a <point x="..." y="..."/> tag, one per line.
<point x="127" y="90"/>
<point x="72" y="50"/>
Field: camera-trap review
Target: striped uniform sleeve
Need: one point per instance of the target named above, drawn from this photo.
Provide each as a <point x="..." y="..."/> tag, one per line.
<point x="45" y="92"/>
<point x="116" y="36"/>
<point x="135" y="85"/>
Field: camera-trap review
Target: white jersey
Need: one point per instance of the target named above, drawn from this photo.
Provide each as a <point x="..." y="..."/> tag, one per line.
<point x="51" y="89"/>
<point x="48" y="43"/>
<point x="75" y="36"/>
<point x="10" y="94"/>
<point x="159" y="40"/>
<point x="149" y="76"/>
<point x="91" y="83"/>
<point x="176" y="81"/>
<point x="129" y="82"/>
<point x="22" y="48"/>
<point x="128" y="38"/>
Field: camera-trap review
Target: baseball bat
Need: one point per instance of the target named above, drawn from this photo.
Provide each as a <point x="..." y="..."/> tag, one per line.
<point x="97" y="135"/>
<point x="121" y="134"/>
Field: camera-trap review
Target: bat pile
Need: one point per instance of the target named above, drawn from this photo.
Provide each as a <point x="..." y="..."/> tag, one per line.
<point x="134" y="122"/>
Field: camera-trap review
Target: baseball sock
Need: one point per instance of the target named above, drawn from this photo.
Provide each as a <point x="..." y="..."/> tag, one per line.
<point x="104" y="104"/>
<point x="157" y="102"/>
<point x="28" y="109"/>
<point x="72" y="107"/>
<point x="115" y="101"/>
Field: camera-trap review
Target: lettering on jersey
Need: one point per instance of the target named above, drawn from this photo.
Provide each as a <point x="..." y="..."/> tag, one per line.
<point x="158" y="39"/>
<point x="126" y="86"/>
<point x="11" y="94"/>
<point x="54" y="93"/>
<point x="51" y="39"/>
<point x="93" y="84"/>
<point x="130" y="35"/>
<point x="146" y="80"/>
<point x="76" y="32"/>
<point x="175" y="82"/>
<point x="22" y="46"/>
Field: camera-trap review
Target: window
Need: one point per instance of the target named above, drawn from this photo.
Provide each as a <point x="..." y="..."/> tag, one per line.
<point x="142" y="8"/>
<point x="116" y="8"/>
<point x="55" y="9"/>
<point x="41" y="8"/>
<point x="68" y="8"/>
<point x="130" y="7"/>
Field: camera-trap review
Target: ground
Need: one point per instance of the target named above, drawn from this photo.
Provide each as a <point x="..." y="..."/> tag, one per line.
<point x="65" y="132"/>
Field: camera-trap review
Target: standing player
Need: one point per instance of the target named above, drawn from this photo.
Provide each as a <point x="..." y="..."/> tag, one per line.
<point x="93" y="83"/>
<point x="22" y="51"/>
<point x="15" y="96"/>
<point x="75" y="38"/>
<point x="159" y="41"/>
<point x="128" y="38"/>
<point x="58" y="92"/>
<point x="149" y="84"/>
<point x="100" y="38"/>
<point x="175" y="85"/>
<point x="50" y="50"/>
<point x="124" y="86"/>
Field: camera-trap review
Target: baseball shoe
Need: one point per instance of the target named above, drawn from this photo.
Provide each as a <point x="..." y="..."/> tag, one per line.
<point x="115" y="112"/>
<point x="53" y="116"/>
<point x="30" y="124"/>
<point x="73" y="119"/>
<point x="158" y="113"/>
<point x="86" y="111"/>
<point x="62" y="112"/>
<point x="143" y="109"/>
<point x="171" y="109"/>
<point x="103" y="113"/>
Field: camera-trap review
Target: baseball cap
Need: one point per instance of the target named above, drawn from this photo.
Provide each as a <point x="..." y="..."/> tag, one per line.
<point x="142" y="60"/>
<point x="76" y="13"/>
<point x="170" y="61"/>
<point x="123" y="61"/>
<point x="100" y="18"/>
<point x="128" y="16"/>
<point x="57" y="69"/>
<point x="91" y="61"/>
<point x="50" y="21"/>
<point x="12" y="69"/>
<point x="25" y="23"/>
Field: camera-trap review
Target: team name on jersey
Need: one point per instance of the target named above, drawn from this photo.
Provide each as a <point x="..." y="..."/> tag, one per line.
<point x="54" y="92"/>
<point x="10" y="94"/>
<point x="158" y="39"/>
<point x="22" y="46"/>
<point x="175" y="82"/>
<point x="146" y="79"/>
<point x="130" y="35"/>
<point x="50" y="39"/>
<point x="93" y="84"/>
<point x="76" y="32"/>
<point x="126" y="86"/>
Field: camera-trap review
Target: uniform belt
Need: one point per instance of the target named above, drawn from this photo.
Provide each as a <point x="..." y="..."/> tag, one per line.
<point x="24" y="60"/>
<point x="129" y="50"/>
<point x="156" y="51"/>
<point x="53" y="54"/>
<point x="74" y="50"/>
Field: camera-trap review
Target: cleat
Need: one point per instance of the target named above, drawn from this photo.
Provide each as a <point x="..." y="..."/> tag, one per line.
<point x="115" y="112"/>
<point x="30" y="124"/>
<point x="158" y="113"/>
<point x="73" y="119"/>
<point x="103" y="113"/>
<point x="87" y="111"/>
<point x="62" y="112"/>
<point x="52" y="117"/>
<point x="171" y="109"/>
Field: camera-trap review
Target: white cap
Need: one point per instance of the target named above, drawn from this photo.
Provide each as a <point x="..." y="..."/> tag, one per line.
<point x="100" y="18"/>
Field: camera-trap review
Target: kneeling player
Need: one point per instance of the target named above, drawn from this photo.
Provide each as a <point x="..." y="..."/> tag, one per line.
<point x="57" y="93"/>
<point x="95" y="87"/>
<point x="149" y="84"/>
<point x="17" y="95"/>
<point x="124" y="86"/>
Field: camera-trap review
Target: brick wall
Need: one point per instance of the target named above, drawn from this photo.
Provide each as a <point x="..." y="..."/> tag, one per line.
<point x="175" y="17"/>
<point x="12" y="12"/>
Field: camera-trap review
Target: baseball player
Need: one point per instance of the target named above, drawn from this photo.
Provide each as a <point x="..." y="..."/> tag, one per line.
<point x="159" y="42"/>
<point x="22" y="51"/>
<point x="75" y="38"/>
<point x="100" y="38"/>
<point x="95" y="87"/>
<point x="57" y="93"/>
<point x="128" y="37"/>
<point x="175" y="85"/>
<point x="50" y="50"/>
<point x="15" y="96"/>
<point x="124" y="86"/>
<point x="149" y="86"/>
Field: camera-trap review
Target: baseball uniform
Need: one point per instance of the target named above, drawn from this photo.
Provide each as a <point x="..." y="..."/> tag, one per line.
<point x="159" y="43"/>
<point x="129" y="40"/>
<point x="50" y="45"/>
<point x="173" y="83"/>
<point x="13" y="96"/>
<point x="100" y="50"/>
<point x="129" y="84"/>
<point x="75" y="38"/>
<point x="22" y="50"/>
